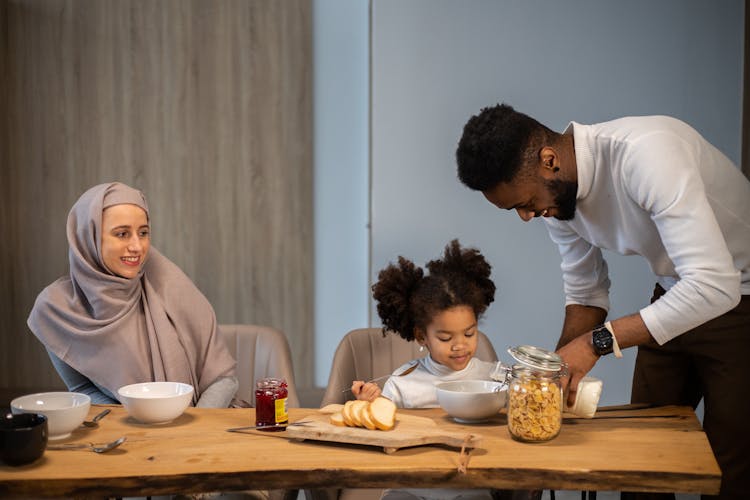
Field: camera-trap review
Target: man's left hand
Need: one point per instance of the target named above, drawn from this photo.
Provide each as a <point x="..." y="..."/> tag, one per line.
<point x="580" y="357"/>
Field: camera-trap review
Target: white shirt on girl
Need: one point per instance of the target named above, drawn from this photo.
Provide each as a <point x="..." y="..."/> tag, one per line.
<point x="417" y="389"/>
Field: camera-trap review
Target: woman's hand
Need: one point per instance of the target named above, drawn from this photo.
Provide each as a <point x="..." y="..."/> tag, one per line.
<point x="366" y="391"/>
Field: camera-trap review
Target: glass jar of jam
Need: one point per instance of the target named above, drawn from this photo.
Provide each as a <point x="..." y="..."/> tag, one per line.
<point x="270" y="404"/>
<point x="535" y="398"/>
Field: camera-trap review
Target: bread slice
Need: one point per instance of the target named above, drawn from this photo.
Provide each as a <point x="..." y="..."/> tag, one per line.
<point x="365" y="418"/>
<point x="357" y="407"/>
<point x="337" y="419"/>
<point x="383" y="413"/>
<point x="347" y="413"/>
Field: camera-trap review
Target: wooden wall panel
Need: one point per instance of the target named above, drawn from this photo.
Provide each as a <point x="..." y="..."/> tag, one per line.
<point x="206" y="106"/>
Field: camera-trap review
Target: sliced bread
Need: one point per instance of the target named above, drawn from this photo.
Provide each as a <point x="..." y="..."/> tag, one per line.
<point x="383" y="413"/>
<point x="364" y="416"/>
<point x="337" y="419"/>
<point x="347" y="413"/>
<point x="356" y="412"/>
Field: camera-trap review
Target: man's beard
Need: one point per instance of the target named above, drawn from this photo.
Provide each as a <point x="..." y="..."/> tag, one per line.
<point x="565" y="197"/>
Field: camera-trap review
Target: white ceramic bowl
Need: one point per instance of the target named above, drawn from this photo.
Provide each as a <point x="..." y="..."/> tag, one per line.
<point x="470" y="401"/>
<point x="65" y="411"/>
<point x="155" y="402"/>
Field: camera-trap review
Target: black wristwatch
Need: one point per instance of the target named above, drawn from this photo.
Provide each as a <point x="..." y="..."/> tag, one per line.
<point x="601" y="339"/>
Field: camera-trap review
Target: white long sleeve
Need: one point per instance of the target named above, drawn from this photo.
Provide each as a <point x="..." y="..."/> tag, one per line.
<point x="653" y="186"/>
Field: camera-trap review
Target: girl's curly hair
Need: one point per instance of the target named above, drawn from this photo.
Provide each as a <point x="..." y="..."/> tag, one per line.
<point x="407" y="299"/>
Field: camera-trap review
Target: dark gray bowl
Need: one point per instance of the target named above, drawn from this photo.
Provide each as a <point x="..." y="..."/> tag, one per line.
<point x="23" y="437"/>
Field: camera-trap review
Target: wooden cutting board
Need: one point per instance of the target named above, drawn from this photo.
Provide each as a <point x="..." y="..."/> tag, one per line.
<point x="410" y="430"/>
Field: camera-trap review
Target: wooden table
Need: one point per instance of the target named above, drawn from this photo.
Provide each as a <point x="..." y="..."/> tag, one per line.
<point x="656" y="449"/>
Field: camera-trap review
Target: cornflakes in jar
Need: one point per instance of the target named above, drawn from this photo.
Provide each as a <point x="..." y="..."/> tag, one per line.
<point x="535" y="398"/>
<point x="534" y="405"/>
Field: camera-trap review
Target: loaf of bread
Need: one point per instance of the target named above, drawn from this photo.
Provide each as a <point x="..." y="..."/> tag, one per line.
<point x="380" y="414"/>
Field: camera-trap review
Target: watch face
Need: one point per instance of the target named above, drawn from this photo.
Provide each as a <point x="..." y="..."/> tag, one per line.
<point x="602" y="340"/>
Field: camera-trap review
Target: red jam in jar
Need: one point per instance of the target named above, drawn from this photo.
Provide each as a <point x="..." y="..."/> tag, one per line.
<point x="270" y="404"/>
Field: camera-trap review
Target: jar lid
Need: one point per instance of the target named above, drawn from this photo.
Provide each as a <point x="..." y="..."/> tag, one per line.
<point x="537" y="358"/>
<point x="270" y="383"/>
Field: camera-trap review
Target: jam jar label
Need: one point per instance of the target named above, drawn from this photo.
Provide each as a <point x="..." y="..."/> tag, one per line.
<point x="282" y="415"/>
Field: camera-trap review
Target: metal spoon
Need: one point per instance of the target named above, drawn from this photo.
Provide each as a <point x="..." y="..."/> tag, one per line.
<point x="405" y="372"/>
<point x="90" y="446"/>
<point x="94" y="421"/>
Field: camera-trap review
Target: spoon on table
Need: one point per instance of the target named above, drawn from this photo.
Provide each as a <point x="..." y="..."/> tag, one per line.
<point x="94" y="422"/>
<point x="83" y="446"/>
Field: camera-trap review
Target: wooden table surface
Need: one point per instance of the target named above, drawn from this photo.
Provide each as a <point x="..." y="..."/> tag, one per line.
<point x="654" y="449"/>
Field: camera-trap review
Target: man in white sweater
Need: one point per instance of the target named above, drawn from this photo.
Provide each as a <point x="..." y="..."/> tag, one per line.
<point x="650" y="186"/>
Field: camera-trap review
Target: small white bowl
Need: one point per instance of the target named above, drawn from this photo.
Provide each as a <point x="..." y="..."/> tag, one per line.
<point x="471" y="401"/>
<point x="65" y="411"/>
<point x="156" y="402"/>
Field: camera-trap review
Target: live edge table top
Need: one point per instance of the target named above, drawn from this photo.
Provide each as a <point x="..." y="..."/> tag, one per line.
<point x="661" y="449"/>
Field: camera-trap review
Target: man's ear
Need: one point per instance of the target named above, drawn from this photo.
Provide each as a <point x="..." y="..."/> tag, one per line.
<point x="548" y="162"/>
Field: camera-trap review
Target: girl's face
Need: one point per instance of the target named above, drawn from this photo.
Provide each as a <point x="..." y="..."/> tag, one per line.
<point x="126" y="239"/>
<point x="451" y="337"/>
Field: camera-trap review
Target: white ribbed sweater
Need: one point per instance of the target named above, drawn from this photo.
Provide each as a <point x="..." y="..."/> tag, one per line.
<point x="653" y="186"/>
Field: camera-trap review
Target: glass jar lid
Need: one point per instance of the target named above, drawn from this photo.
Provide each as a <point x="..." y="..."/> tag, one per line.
<point x="537" y="358"/>
<point x="271" y="383"/>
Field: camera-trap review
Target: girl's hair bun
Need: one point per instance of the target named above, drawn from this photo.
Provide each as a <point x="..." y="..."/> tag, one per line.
<point x="393" y="290"/>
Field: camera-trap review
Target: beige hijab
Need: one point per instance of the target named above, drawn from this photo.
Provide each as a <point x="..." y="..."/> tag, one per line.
<point x="118" y="331"/>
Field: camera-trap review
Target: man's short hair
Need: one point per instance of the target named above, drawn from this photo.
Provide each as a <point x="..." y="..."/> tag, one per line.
<point x="495" y="145"/>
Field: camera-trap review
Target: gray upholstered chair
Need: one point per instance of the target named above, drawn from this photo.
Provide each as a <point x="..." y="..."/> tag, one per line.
<point x="261" y="352"/>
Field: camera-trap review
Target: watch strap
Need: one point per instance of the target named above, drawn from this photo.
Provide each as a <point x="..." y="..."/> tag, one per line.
<point x="615" y="346"/>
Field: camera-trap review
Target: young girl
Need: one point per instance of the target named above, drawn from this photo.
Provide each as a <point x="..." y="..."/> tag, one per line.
<point x="440" y="312"/>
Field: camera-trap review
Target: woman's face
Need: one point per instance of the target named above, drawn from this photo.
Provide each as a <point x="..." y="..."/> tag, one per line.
<point x="451" y="337"/>
<point x="126" y="238"/>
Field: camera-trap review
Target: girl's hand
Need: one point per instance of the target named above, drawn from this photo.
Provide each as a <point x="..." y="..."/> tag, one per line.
<point x="365" y="391"/>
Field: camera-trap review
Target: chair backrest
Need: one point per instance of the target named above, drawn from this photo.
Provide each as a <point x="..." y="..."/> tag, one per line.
<point x="364" y="354"/>
<point x="261" y="352"/>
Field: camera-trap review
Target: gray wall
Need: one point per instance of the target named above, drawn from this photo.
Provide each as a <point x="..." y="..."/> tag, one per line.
<point x="341" y="180"/>
<point x="435" y="63"/>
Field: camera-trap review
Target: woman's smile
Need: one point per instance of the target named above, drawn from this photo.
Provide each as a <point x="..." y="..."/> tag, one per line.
<point x="131" y="261"/>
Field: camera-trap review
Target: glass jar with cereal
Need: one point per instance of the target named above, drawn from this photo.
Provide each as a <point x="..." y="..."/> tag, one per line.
<point x="535" y="398"/>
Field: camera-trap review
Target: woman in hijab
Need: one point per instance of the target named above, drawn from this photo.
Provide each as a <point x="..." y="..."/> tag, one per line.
<point x="127" y="314"/>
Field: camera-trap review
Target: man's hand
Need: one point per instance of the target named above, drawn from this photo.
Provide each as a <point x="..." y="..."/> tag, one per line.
<point x="580" y="357"/>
